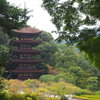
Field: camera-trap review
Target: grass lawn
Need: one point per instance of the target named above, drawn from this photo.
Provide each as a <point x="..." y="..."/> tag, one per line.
<point x="89" y="97"/>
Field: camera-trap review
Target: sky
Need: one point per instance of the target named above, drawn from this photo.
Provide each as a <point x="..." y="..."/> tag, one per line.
<point x="40" y="17"/>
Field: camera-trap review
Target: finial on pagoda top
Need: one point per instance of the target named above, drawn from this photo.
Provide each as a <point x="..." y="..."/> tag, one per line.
<point x="27" y="29"/>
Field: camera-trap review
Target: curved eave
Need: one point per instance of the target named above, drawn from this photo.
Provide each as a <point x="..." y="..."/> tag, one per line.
<point x="18" y="34"/>
<point x="32" y="42"/>
<point x="26" y="71"/>
<point x="25" y="51"/>
<point x="26" y="61"/>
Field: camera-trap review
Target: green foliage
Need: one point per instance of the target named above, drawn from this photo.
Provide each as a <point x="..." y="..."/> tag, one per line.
<point x="13" y="16"/>
<point x="92" y="84"/>
<point x="83" y="92"/>
<point x="46" y="37"/>
<point x="62" y="78"/>
<point x="34" y="97"/>
<point x="73" y="67"/>
<point x="28" y="98"/>
<point x="18" y="97"/>
<point x="88" y="97"/>
<point x="4" y="38"/>
<point x="97" y="93"/>
<point x="65" y="56"/>
<point x="4" y="96"/>
<point x="48" y="47"/>
<point x="4" y="58"/>
<point x="2" y="84"/>
<point x="47" y="78"/>
<point x="64" y="98"/>
<point x="4" y="50"/>
<point x="43" y="90"/>
<point x="32" y="83"/>
<point x="57" y="78"/>
<point x="69" y="16"/>
<point x="92" y="49"/>
<point x="4" y="55"/>
<point x="62" y="88"/>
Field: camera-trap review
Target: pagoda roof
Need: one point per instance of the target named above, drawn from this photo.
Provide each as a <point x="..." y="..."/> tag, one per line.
<point x="26" y="71"/>
<point x="28" y="41"/>
<point x="26" y="61"/>
<point x="13" y="42"/>
<point x="25" y="51"/>
<point x="26" y="29"/>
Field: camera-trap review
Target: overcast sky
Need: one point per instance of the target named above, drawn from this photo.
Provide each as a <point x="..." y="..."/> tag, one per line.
<point x="40" y="19"/>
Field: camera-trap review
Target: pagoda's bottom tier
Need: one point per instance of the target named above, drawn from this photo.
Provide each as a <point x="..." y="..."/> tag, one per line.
<point x="26" y="74"/>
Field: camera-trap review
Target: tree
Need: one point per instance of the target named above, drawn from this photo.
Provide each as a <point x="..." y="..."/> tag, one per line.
<point x="4" y="38"/>
<point x="62" y="88"/>
<point x="13" y="86"/>
<point x="32" y="83"/>
<point x="69" y="16"/>
<point x="90" y="45"/>
<point x="65" y="57"/>
<point x="12" y="17"/>
<point x="4" y="51"/>
<point x="4" y="58"/>
<point x="2" y="84"/>
<point x="73" y="67"/>
<point x="92" y="84"/>
<point x="48" y="47"/>
<point x="47" y="78"/>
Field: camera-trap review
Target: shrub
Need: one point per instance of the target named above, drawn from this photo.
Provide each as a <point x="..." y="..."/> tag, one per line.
<point x="52" y="98"/>
<point x="83" y="92"/>
<point x="46" y="78"/>
<point x="35" y="97"/>
<point x="4" y="96"/>
<point x="17" y="97"/>
<point x="64" y="98"/>
<point x="97" y="93"/>
<point x="2" y="84"/>
<point x="88" y="97"/>
<point x="92" y="84"/>
<point x="32" y="83"/>
<point x="60" y="77"/>
<point x="28" y="98"/>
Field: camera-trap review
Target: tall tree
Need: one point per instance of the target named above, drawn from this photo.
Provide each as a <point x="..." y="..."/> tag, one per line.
<point x="48" y="48"/>
<point x="12" y="17"/>
<point x="72" y="63"/>
<point x="69" y="16"/>
<point x="4" y="51"/>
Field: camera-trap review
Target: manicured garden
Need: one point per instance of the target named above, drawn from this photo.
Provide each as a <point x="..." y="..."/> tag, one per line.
<point x="89" y="97"/>
<point x="71" y="62"/>
<point x="39" y="90"/>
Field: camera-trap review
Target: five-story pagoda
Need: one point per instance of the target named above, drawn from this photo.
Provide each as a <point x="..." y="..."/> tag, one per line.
<point x="23" y="64"/>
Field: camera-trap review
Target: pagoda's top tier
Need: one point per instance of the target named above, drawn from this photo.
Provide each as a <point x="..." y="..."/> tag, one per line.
<point x="26" y="31"/>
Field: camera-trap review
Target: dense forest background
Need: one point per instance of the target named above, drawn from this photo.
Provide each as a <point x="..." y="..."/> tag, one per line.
<point x="71" y="59"/>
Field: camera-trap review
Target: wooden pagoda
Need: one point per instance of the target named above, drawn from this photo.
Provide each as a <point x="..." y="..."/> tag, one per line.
<point x="23" y="64"/>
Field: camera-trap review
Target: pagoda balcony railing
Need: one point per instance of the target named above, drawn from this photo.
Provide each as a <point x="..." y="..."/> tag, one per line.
<point x="25" y="51"/>
<point x="19" y="34"/>
<point x="26" y="61"/>
<point x="29" y="39"/>
<point x="27" y="58"/>
<point x="13" y="42"/>
<point x="27" y="71"/>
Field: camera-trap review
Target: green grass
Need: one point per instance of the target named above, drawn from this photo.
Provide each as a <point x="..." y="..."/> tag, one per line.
<point x="89" y="97"/>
